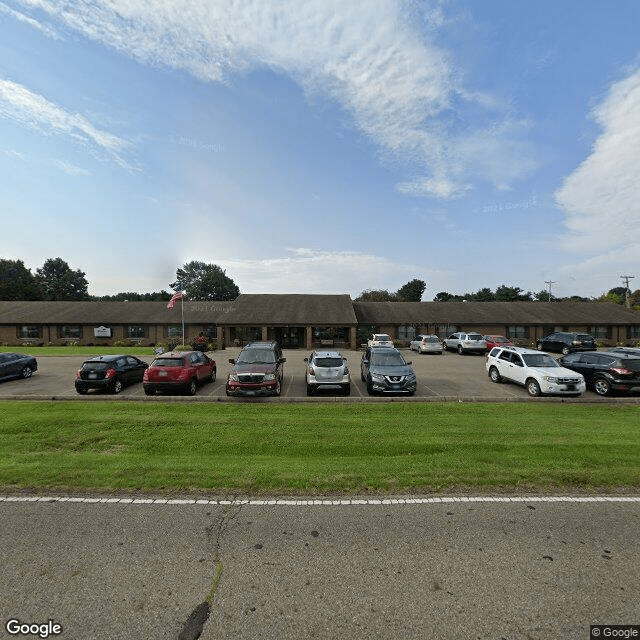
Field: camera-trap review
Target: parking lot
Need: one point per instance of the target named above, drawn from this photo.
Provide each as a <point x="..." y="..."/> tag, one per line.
<point x="448" y="377"/>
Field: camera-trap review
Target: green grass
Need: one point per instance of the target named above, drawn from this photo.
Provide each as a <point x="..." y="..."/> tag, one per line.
<point x="317" y="448"/>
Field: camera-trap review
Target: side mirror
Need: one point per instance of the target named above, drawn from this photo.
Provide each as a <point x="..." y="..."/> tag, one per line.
<point x="232" y="361"/>
<point x="306" y="359"/>
<point x="282" y="360"/>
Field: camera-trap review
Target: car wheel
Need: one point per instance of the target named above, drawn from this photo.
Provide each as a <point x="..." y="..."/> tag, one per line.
<point x="310" y="390"/>
<point x="81" y="390"/>
<point x="601" y="387"/>
<point x="494" y="374"/>
<point x="370" y="390"/>
<point x="460" y="349"/>
<point x="192" y="388"/>
<point x="117" y="386"/>
<point x="278" y="390"/>
<point x="26" y="372"/>
<point x="149" y="392"/>
<point x="533" y="388"/>
<point x="347" y="390"/>
<point x="566" y="351"/>
<point x="212" y="377"/>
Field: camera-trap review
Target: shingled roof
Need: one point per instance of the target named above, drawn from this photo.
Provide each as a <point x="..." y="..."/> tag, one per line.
<point x="291" y="309"/>
<point x="505" y="313"/>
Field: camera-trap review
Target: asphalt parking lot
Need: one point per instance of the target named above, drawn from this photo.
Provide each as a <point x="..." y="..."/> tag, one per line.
<point x="447" y="377"/>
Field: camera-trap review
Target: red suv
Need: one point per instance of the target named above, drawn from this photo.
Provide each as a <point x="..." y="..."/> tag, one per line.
<point x="257" y="371"/>
<point x="179" y="371"/>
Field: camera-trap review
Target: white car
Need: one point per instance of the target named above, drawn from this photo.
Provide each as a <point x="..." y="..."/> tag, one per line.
<point x="465" y="342"/>
<point x="380" y="340"/>
<point x="426" y="344"/>
<point x="538" y="372"/>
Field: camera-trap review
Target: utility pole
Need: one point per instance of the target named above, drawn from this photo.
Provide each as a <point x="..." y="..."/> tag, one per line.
<point x="627" y="290"/>
<point x="549" y="282"/>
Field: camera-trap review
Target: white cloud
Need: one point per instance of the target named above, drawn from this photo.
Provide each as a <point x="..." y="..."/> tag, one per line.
<point x="371" y="57"/>
<point x="33" y="110"/>
<point x="600" y="198"/>
<point x="315" y="271"/>
<point x="21" y="17"/>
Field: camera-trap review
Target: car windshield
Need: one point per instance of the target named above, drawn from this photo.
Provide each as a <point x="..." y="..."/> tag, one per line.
<point x="382" y="337"/>
<point x="168" y="362"/>
<point x="256" y="356"/>
<point x="540" y="360"/>
<point x="387" y="359"/>
<point x="328" y="362"/>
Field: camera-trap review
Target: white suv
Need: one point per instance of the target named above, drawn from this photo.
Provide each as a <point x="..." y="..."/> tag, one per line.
<point x="538" y="372"/>
<point x="465" y="342"/>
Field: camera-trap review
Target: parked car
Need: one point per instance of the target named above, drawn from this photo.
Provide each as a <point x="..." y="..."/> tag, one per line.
<point x="605" y="372"/>
<point x="180" y="371"/>
<point x="497" y="341"/>
<point x="111" y="373"/>
<point x="257" y="371"/>
<point x="17" y="365"/>
<point x="538" y="372"/>
<point x="564" y="342"/>
<point x="426" y="344"/>
<point x="384" y="370"/>
<point x="380" y="340"/>
<point x="632" y="352"/>
<point x="325" y="370"/>
<point x="465" y="342"/>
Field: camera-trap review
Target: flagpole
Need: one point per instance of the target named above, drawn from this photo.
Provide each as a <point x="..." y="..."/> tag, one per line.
<point x="182" y="308"/>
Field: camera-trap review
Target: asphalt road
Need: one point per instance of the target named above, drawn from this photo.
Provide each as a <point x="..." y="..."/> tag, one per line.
<point x="461" y="570"/>
<point x="446" y="377"/>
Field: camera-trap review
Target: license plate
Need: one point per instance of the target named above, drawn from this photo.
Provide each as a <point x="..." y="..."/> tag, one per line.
<point x="162" y="374"/>
<point x="570" y="387"/>
<point x="93" y="376"/>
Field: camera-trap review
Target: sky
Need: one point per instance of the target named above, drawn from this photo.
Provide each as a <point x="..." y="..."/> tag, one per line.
<point x="324" y="146"/>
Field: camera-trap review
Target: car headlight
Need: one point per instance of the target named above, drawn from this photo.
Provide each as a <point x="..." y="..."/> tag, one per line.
<point x="551" y="379"/>
<point x="233" y="377"/>
<point x="411" y="377"/>
<point x="270" y="376"/>
<point x="377" y="377"/>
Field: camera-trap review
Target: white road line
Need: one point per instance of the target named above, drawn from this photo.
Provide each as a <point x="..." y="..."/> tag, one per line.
<point x="323" y="502"/>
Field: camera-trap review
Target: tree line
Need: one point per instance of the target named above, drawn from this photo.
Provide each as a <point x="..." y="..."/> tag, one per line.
<point x="56" y="280"/>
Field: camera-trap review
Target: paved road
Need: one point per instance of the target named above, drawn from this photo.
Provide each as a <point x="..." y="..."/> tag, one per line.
<point x="446" y="377"/>
<point x="475" y="570"/>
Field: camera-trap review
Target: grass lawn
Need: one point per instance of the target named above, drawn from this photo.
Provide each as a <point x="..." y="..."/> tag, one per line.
<point x="316" y="448"/>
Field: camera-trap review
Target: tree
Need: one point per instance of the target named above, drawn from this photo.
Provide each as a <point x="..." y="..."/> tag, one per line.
<point x="445" y="296"/>
<point x="17" y="282"/>
<point x="543" y="296"/>
<point x="132" y="296"/>
<point x="377" y="295"/>
<point x="201" y="281"/>
<point x="59" y="282"/>
<point x="512" y="294"/>
<point x="482" y="295"/>
<point x="412" y="291"/>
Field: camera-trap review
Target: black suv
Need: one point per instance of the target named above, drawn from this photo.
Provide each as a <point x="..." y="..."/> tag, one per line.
<point x="111" y="373"/>
<point x="605" y="372"/>
<point x="257" y="371"/>
<point x="563" y="342"/>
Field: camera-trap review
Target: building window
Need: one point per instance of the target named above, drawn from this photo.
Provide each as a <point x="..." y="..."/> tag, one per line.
<point x="406" y="332"/>
<point x="600" y="333"/>
<point x="29" y="331"/>
<point x="174" y="331"/>
<point x="136" y="331"/>
<point x="211" y="332"/>
<point x="633" y="331"/>
<point x="444" y="330"/>
<point x="337" y="334"/>
<point x="70" y="332"/>
<point x="517" y="331"/>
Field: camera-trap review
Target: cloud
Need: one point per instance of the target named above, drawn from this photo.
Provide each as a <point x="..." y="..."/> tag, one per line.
<point x="600" y="198"/>
<point x="378" y="59"/>
<point x="317" y="271"/>
<point x="30" y="109"/>
<point x="21" y="17"/>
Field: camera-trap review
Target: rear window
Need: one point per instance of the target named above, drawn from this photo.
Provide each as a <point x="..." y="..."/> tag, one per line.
<point x="328" y="362"/>
<point x="431" y="339"/>
<point x="474" y="336"/>
<point x="96" y="366"/>
<point x="584" y="337"/>
<point x="168" y="362"/>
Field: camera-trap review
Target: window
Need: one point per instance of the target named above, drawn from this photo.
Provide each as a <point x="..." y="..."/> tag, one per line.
<point x="517" y="331"/>
<point x="29" y="331"/>
<point x="633" y="331"/>
<point x="600" y="333"/>
<point x="174" y="331"/>
<point x="406" y="332"/>
<point x="70" y="332"/>
<point x="135" y="331"/>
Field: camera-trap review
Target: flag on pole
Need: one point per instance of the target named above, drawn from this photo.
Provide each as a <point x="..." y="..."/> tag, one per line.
<point x="174" y="299"/>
